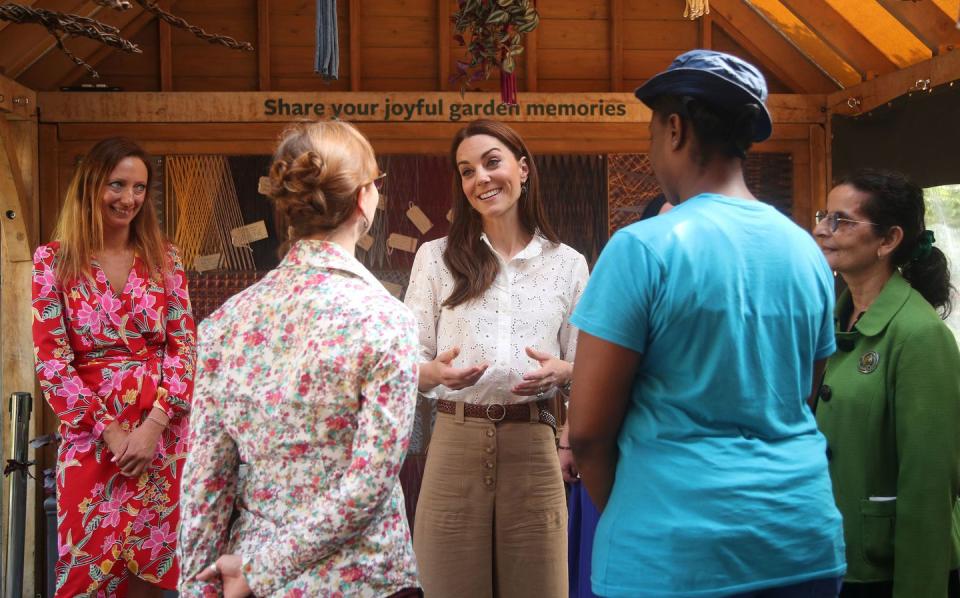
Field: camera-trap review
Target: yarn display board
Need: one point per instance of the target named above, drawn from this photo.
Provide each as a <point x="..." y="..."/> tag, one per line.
<point x="631" y="184"/>
<point x="202" y="208"/>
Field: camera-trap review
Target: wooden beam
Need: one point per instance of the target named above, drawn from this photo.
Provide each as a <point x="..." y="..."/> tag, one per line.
<point x="927" y="22"/>
<point x="770" y="61"/>
<point x="939" y="70"/>
<point x="51" y="71"/>
<point x="616" y="45"/>
<point x="33" y="42"/>
<point x="16" y="101"/>
<point x="13" y="199"/>
<point x="705" y="31"/>
<point x="141" y="18"/>
<point x="896" y="42"/>
<point x="27" y="3"/>
<point x="531" y="48"/>
<point x="806" y="41"/>
<point x="443" y="44"/>
<point x="263" y="45"/>
<point x="842" y="36"/>
<point x="354" y="15"/>
<point x="165" y="51"/>
<point x="761" y="40"/>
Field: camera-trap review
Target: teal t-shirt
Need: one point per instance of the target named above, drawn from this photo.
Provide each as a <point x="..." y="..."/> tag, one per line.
<point x="722" y="483"/>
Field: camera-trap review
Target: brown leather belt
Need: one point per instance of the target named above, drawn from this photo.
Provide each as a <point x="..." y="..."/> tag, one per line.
<point x="496" y="412"/>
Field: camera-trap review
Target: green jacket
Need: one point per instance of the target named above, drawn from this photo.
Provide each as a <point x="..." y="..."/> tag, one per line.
<point x="890" y="409"/>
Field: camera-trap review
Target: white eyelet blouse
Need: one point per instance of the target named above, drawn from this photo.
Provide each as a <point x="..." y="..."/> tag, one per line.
<point x="528" y="305"/>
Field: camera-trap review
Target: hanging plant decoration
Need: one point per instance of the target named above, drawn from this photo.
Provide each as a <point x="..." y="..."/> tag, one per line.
<point x="496" y="29"/>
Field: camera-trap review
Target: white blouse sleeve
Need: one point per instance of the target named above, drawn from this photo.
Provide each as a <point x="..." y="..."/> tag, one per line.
<point x="423" y="297"/>
<point x="568" y="332"/>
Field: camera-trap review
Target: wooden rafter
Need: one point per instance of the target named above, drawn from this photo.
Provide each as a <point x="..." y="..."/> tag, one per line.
<point x="35" y="42"/>
<point x="885" y="32"/>
<point x="927" y="22"/>
<point x="264" y="76"/>
<point x="842" y="36"/>
<point x="27" y="3"/>
<point x="939" y="70"/>
<point x="443" y="44"/>
<point x="616" y="45"/>
<point x="53" y="69"/>
<point x="806" y="41"/>
<point x="762" y="40"/>
<point x="140" y="20"/>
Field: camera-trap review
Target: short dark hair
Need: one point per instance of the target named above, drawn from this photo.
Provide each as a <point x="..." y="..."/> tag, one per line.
<point x="724" y="131"/>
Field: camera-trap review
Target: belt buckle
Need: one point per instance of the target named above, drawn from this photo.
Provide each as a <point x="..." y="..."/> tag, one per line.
<point x="502" y="415"/>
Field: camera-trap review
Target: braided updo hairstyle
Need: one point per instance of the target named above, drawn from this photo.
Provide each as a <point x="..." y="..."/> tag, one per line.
<point x="316" y="175"/>
<point x="894" y="200"/>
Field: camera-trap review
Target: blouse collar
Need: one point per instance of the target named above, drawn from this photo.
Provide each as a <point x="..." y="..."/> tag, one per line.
<point x="325" y="255"/>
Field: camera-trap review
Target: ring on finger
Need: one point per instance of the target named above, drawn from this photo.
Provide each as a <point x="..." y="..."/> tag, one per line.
<point x="214" y="568"/>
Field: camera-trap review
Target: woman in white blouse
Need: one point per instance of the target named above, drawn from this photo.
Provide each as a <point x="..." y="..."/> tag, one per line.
<point x="496" y="296"/>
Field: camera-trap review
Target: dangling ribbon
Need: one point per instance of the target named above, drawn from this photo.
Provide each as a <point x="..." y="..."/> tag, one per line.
<point x="924" y="246"/>
<point x="327" y="64"/>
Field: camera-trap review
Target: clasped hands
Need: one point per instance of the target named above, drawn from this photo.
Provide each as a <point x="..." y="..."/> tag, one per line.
<point x="552" y="372"/>
<point x="133" y="451"/>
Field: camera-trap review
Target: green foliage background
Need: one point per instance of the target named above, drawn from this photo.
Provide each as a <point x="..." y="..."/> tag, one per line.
<point x="943" y="218"/>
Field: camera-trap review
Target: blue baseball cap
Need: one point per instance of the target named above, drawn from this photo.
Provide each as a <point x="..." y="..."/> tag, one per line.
<point x="715" y="77"/>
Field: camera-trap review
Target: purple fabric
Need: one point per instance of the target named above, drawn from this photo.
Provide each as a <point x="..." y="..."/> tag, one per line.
<point x="582" y="525"/>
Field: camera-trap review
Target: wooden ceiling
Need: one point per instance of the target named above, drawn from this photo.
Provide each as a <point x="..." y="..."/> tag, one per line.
<point x="803" y="46"/>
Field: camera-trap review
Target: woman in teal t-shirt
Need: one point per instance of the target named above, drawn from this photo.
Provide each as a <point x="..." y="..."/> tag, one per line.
<point x="890" y="401"/>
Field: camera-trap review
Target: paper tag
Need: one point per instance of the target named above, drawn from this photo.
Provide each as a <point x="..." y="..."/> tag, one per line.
<point x="419" y="219"/>
<point x="450" y="215"/>
<point x="394" y="289"/>
<point x="402" y="242"/>
<point x="263" y="185"/>
<point x="203" y="263"/>
<point x="382" y="202"/>
<point x="244" y="235"/>
<point x="365" y="242"/>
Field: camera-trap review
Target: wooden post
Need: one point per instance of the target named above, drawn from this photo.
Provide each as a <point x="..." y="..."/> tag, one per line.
<point x="443" y="44"/>
<point x="166" y="55"/>
<point x="354" y="15"/>
<point x="263" y="45"/>
<point x="706" y="32"/>
<point x="532" y="74"/>
<point x="616" y="45"/>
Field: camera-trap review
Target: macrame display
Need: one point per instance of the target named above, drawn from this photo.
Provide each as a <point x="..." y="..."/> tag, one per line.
<point x="327" y="64"/>
<point x="202" y="194"/>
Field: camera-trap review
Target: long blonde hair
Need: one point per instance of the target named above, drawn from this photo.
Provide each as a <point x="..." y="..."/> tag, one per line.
<point x="317" y="172"/>
<point x="79" y="227"/>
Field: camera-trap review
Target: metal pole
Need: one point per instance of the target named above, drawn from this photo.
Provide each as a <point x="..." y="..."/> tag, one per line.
<point x="20" y="406"/>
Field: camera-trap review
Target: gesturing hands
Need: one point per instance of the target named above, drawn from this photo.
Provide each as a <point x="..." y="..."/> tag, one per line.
<point x="552" y="372"/>
<point x="229" y="568"/>
<point x="441" y="371"/>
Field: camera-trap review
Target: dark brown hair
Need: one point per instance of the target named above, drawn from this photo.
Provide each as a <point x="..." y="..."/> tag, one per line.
<point x="470" y="260"/>
<point x="80" y="223"/>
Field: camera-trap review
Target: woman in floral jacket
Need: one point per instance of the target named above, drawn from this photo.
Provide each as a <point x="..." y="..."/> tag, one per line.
<point x="115" y="357"/>
<point x="308" y="377"/>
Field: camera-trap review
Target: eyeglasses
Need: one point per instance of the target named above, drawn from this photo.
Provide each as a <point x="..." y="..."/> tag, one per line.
<point x="833" y="220"/>
<point x="380" y="181"/>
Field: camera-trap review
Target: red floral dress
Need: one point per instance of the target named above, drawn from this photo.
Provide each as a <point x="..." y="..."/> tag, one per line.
<point x="103" y="356"/>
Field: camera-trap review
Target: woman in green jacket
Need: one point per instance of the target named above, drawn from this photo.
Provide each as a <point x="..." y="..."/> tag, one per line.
<point x="889" y="404"/>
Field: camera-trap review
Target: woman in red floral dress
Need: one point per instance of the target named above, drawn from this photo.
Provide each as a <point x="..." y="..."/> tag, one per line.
<point x="115" y="356"/>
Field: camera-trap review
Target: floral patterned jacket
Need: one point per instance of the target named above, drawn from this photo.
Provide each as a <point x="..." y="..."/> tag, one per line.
<point x="309" y="378"/>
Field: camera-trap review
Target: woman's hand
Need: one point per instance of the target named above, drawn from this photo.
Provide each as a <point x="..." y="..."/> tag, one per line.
<point x="568" y="469"/>
<point x="552" y="372"/>
<point x="140" y="448"/>
<point x="440" y="371"/>
<point x="115" y="437"/>
<point x="229" y="568"/>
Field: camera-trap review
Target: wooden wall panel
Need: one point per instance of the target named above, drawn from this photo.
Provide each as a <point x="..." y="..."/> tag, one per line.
<point x="133" y="72"/>
<point x="201" y="66"/>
